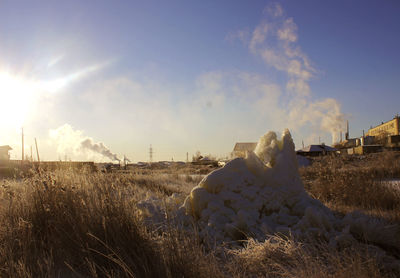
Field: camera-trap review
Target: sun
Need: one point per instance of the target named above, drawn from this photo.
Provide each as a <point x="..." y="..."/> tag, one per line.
<point x="16" y="96"/>
<point x="20" y="95"/>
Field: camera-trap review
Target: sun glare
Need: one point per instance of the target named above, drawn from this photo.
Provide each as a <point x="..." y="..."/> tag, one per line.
<point x="17" y="96"/>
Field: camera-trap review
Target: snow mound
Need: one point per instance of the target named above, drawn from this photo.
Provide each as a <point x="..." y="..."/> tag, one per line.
<point x="257" y="195"/>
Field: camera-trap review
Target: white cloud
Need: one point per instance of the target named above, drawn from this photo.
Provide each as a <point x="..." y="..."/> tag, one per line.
<point x="274" y="40"/>
<point x="61" y="82"/>
<point x="288" y="31"/>
<point x="55" y="61"/>
<point x="274" y="9"/>
<point x="259" y="36"/>
<point x="241" y="35"/>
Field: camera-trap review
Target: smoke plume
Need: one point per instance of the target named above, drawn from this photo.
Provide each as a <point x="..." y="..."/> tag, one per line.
<point x="98" y="148"/>
<point x="73" y="144"/>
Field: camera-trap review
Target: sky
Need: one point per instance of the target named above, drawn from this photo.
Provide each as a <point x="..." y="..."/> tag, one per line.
<point x="96" y="80"/>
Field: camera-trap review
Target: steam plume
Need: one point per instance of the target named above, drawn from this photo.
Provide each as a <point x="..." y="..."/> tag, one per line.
<point x="98" y="148"/>
<point x="73" y="143"/>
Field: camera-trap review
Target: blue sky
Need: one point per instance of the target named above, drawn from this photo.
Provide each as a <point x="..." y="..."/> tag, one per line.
<point x="193" y="75"/>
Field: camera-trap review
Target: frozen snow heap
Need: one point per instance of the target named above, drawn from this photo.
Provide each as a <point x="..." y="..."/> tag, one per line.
<point x="258" y="195"/>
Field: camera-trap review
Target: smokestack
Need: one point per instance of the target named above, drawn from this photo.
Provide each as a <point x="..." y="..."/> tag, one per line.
<point x="341" y="136"/>
<point x="347" y="132"/>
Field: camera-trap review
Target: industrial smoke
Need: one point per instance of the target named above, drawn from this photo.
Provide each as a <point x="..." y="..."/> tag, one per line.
<point x="98" y="148"/>
<point x="73" y="143"/>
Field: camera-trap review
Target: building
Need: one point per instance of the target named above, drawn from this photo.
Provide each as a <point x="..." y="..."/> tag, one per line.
<point x="240" y="149"/>
<point x="4" y="155"/>
<point x="365" y="149"/>
<point x="316" y="150"/>
<point x="389" y="128"/>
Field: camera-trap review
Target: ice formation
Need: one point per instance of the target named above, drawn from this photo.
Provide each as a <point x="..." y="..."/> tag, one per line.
<point x="257" y="195"/>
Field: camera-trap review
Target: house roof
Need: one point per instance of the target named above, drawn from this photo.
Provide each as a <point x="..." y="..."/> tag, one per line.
<point x="5" y="148"/>
<point x="206" y="158"/>
<point x="247" y="146"/>
<point x="317" y="148"/>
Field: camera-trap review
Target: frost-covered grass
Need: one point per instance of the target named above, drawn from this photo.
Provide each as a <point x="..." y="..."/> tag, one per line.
<point x="355" y="183"/>
<point x="82" y="224"/>
<point x="65" y="224"/>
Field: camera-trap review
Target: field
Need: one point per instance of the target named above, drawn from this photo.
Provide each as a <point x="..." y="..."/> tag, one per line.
<point x="79" y="223"/>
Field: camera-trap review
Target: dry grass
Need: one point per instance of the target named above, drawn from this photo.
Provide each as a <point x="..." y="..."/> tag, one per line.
<point x="84" y="225"/>
<point x="81" y="224"/>
<point x="349" y="183"/>
<point x="282" y="257"/>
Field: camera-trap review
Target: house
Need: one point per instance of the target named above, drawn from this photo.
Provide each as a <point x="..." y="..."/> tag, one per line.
<point x="316" y="150"/>
<point x="4" y="155"/>
<point x="240" y="149"/>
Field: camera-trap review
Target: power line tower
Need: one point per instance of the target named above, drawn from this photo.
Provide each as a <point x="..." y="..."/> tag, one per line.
<point x="151" y="154"/>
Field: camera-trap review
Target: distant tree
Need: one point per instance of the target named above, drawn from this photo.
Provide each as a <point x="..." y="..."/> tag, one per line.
<point x="197" y="156"/>
<point x="211" y="157"/>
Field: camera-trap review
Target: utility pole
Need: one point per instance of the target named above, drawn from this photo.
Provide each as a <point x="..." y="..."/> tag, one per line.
<point x="22" y="158"/>
<point x="37" y="151"/>
<point x="151" y="153"/>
